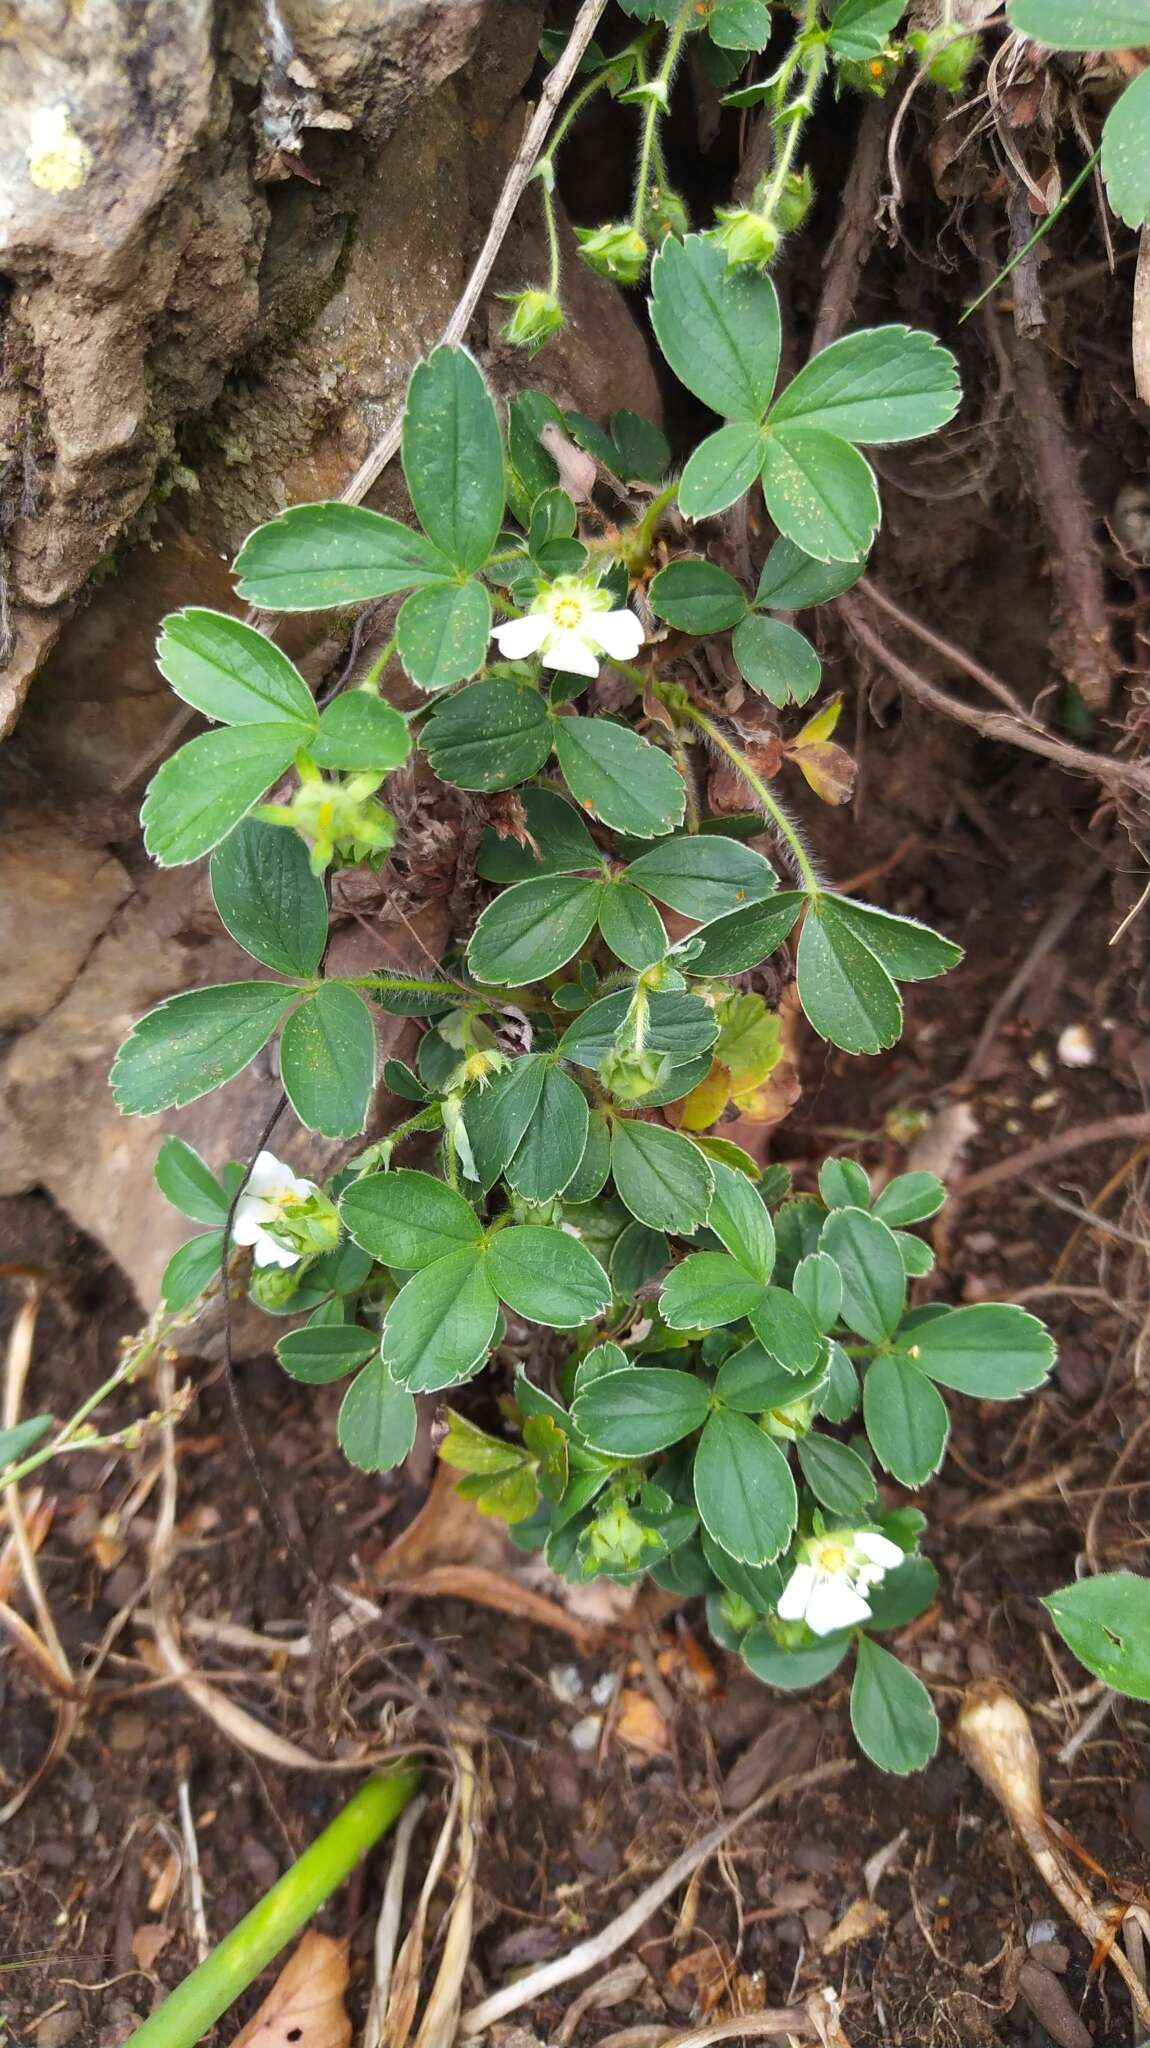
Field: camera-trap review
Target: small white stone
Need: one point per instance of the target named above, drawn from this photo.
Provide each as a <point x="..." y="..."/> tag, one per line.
<point x="565" y="1683"/>
<point x="1076" y="1046"/>
<point x="585" y="1734"/>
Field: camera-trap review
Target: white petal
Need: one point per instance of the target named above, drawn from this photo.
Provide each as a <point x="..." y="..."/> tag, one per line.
<point x="796" y="1593"/>
<point x="297" y="1186"/>
<point x="269" y="1253"/>
<point x="267" y="1176"/>
<point x="878" y="1549"/>
<point x="570" y="651"/>
<point x="834" y="1605"/>
<point x="252" y="1213"/>
<point x="519" y="637"/>
<point x="619" y="634"/>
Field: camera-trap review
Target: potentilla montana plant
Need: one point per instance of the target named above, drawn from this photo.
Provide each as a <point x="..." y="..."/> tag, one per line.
<point x="739" y="1394"/>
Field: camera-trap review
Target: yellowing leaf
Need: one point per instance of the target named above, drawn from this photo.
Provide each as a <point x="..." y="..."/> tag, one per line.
<point x="749" y="1043"/>
<point x="469" y="1449"/>
<point x="705" y="1103"/>
<point x="822" y="725"/>
<point x="829" y="769"/>
<point x="304" y="2007"/>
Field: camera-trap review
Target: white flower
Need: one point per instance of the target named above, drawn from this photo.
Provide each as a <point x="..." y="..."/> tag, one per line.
<point x="272" y="1191"/>
<point x="570" y="626"/>
<point x="828" y="1588"/>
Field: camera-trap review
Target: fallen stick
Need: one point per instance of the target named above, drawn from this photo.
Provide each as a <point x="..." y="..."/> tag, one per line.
<point x="596" y="1949"/>
<point x="1104" y="1132"/>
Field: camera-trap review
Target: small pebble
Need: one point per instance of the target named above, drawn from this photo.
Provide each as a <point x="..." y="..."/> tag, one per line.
<point x="585" y="1734"/>
<point x="565" y="1684"/>
<point x="1076" y="1046"/>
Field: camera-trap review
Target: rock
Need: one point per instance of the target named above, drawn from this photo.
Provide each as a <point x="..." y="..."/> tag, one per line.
<point x="56" y="896"/>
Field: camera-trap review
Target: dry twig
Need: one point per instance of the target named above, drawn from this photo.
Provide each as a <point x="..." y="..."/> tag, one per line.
<point x="595" y="1950"/>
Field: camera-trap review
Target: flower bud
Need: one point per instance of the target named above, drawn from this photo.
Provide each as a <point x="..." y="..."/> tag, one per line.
<point x="339" y="819"/>
<point x="616" y="1539"/>
<point x="617" y="251"/>
<point x="630" y="1075"/>
<point x="748" y="239"/>
<point x="795" y="200"/>
<point x="789" y="1422"/>
<point x="272" y="1287"/>
<point x="535" y="316"/>
<point x="664" y="214"/>
<point x="738" y="1613"/>
<point x="946" y="60"/>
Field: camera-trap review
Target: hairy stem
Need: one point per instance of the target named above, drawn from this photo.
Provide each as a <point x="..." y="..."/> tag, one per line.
<point x="768" y="803"/>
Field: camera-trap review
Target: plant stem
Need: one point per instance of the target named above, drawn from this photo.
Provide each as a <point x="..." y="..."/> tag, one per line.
<point x="196" y="2004"/>
<point x="809" y="59"/>
<point x="134" y="1359"/>
<point x="552" y="227"/>
<point x="1040" y="232"/>
<point x="654" y="111"/>
<point x="370" y="683"/>
<point x="770" y="804"/>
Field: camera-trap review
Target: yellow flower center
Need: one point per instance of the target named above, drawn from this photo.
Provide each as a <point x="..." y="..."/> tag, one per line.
<point x="567" y="613"/>
<point x="830" y="1557"/>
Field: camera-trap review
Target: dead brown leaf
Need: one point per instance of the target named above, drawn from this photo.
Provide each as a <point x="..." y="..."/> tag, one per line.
<point x="150" y="1941"/>
<point x="305" y="2006"/>
<point x="862" y="1918"/>
<point x="640" y="1725"/>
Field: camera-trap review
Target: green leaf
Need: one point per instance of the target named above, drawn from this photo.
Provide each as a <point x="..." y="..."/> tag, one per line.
<point x="268" y="898"/>
<point x="836" y="1475"/>
<point x="637" y="1256"/>
<point x="195" y="1042"/>
<point x="191" y="1268"/>
<point x="906" y="1420"/>
<point x="874" y="1280"/>
<point x="565" y="845"/>
<point x="491" y="736"/>
<point x="721" y="470"/>
<point x="818" y="1284"/>
<point x="720" y="333"/>
<point x="399" y="1079"/>
<point x="891" y="1712"/>
<point x="1082" y="24"/>
<point x="758" y="1584"/>
<point x="453" y="457"/>
<point x="631" y="925"/>
<point x="591" y="1173"/>
<point x="601" y="1360"/>
<point x="327" y="1061"/>
<point x="745" y="938"/>
<point x="739" y="25"/>
<point x="879" y="385"/>
<point x="230" y="672"/>
<point x="909" y="951"/>
<point x="377" y="1420"/>
<point x="533" y="929"/>
<point x="406" y="1219"/>
<point x="1105" y="1621"/>
<point x="859" y="28"/>
<point x="785" y="1330"/>
<point x="793" y="1670"/>
<point x="820" y="492"/>
<point x="1126" y="152"/>
<point x="697" y="596"/>
<point x="358" y="732"/>
<point x="917" y="1256"/>
<point x="442" y="632"/>
<point x="707" y="1290"/>
<point x="682" y="1025"/>
<point x="316" y="556"/>
<point x="548" y="1276"/>
<point x="495" y="1117"/>
<point x="846" y="993"/>
<point x="910" y="1198"/>
<point x="991" y="1350"/>
<point x="619" y="776"/>
<point x="839" y="1398"/>
<point x="205" y="788"/>
<point x="753" y="1382"/>
<point x="440" y="1326"/>
<point x="844" y="1184"/>
<point x="188" y="1183"/>
<point x="903" y="1594"/>
<point x="791" y="580"/>
<point x="549" y="1152"/>
<point x="325" y="1352"/>
<point x="22" y="1437"/>
<point x="776" y="660"/>
<point x="660" y="1176"/>
<point x="703" y="875"/>
<point x="744" y="1490"/>
<point x="642" y="453"/>
<point x="741" y="1221"/>
<point x="632" y="1414"/>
